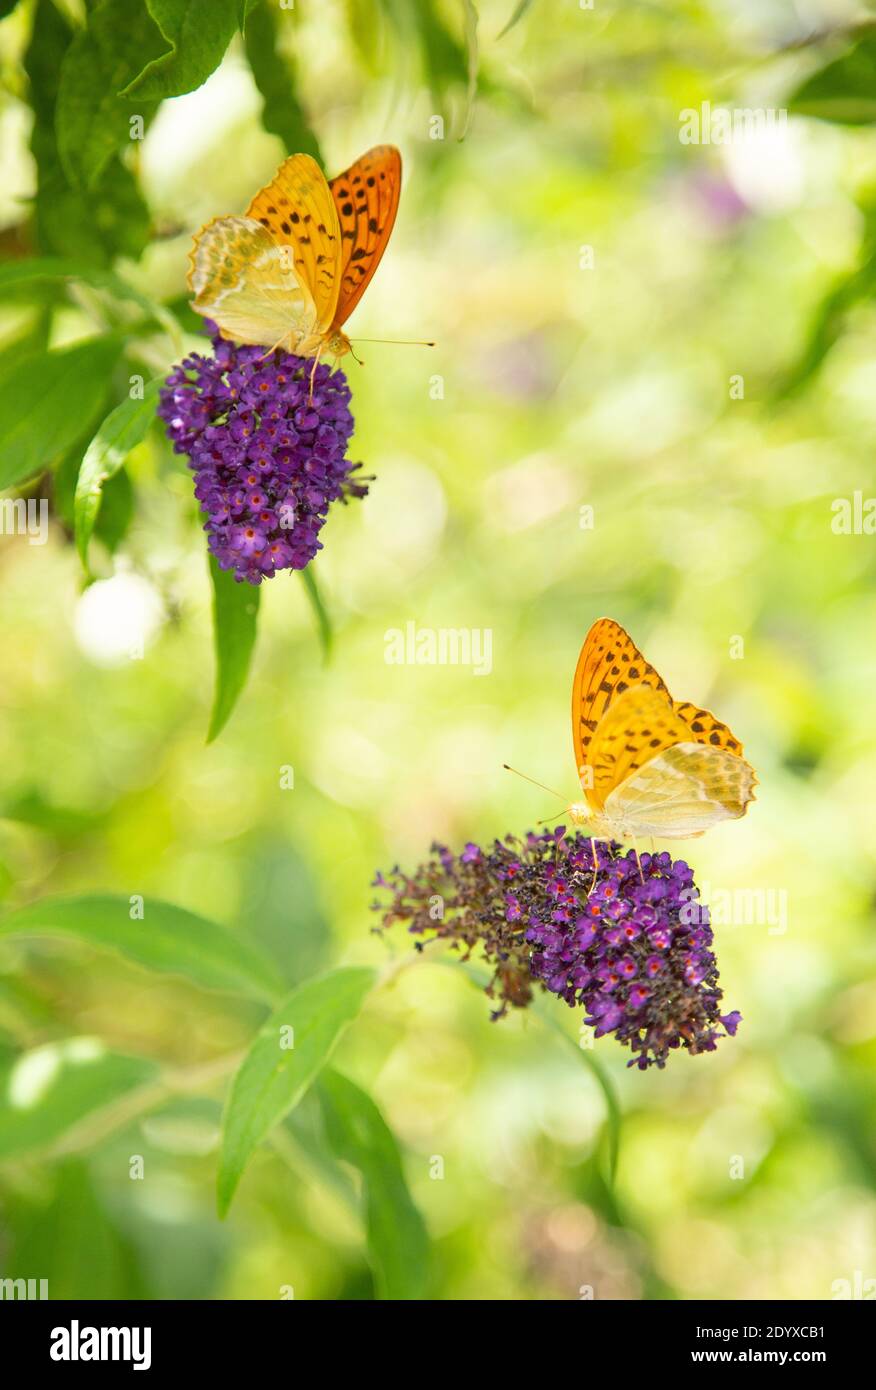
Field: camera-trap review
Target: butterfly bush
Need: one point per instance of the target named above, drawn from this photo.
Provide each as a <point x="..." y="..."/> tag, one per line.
<point x="268" y="457"/>
<point x="625" y="938"/>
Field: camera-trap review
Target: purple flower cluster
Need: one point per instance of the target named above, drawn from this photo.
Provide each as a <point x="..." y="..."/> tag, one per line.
<point x="620" y="935"/>
<point x="268" y="456"/>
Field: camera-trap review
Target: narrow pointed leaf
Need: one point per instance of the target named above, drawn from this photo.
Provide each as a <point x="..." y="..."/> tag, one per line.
<point x="48" y="400"/>
<point x="320" y="612"/>
<point x="167" y="939"/>
<point x="287" y="1056"/>
<point x="519" y="11"/>
<point x="49" y="1090"/>
<point x="282" y="113"/>
<point x="472" y="52"/>
<point x="398" y="1244"/>
<point x="235" y="622"/>
<point x="845" y="90"/>
<point x="122" y="430"/>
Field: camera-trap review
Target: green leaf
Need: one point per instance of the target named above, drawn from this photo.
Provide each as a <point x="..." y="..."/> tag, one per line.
<point x="845" y="90"/>
<point x="235" y="621"/>
<point x="47" y="400"/>
<point x="281" y="906"/>
<point x="281" y="1065"/>
<point x="367" y="32"/>
<point x="117" y="499"/>
<point x="112" y="218"/>
<point x="244" y="9"/>
<point x="116" y="511"/>
<point x="122" y="430"/>
<point x="274" y="76"/>
<point x="398" y="1244"/>
<point x="92" y="119"/>
<point x="519" y="11"/>
<point x="445" y="60"/>
<point x="47" y="1091"/>
<point x="831" y="315"/>
<point x="6" y="7"/>
<point x="33" y="808"/>
<point x="167" y="939"/>
<point x="51" y="269"/>
<point x="199" y="32"/>
<point x="321" y="613"/>
<point x="50" y="37"/>
<point x="52" y="1224"/>
<point x="472" y="60"/>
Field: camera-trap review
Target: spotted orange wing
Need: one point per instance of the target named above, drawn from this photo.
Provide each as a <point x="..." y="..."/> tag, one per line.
<point x="610" y="663"/>
<point x="624" y="718"/>
<point x="366" y="197"/>
<point x="640" y="724"/>
<point x="298" y="211"/>
<point x="703" y="727"/>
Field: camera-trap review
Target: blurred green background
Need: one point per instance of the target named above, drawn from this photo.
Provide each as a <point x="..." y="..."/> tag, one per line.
<point x="597" y="289"/>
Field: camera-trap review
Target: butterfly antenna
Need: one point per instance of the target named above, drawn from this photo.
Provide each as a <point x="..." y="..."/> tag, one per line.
<point x="398" y="342"/>
<point x="534" y="783"/>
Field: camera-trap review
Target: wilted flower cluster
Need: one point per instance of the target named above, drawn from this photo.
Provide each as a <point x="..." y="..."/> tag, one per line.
<point x="625" y="937"/>
<point x="268" y="456"/>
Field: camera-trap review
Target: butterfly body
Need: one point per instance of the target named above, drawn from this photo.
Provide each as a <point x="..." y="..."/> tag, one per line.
<point x="290" y="272"/>
<point x="648" y="765"/>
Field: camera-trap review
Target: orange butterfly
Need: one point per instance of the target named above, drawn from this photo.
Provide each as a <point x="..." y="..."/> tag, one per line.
<point x="290" y="272"/>
<point x="648" y="765"/>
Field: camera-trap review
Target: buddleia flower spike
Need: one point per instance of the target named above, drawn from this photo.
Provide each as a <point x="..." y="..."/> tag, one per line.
<point x="622" y="938"/>
<point x="269" y="457"/>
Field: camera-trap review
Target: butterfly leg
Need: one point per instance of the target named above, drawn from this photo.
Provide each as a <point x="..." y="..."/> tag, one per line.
<point x="313" y="374"/>
<point x="638" y="857"/>
<point x="593" y="843"/>
<point x="279" y="343"/>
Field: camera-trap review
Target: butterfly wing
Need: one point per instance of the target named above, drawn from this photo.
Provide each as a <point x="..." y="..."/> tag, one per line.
<point x="703" y="727"/>
<point x="241" y="280"/>
<point x="366" y="196"/>
<point x="298" y="211"/>
<point x="640" y="724"/>
<point x="656" y="766"/>
<point x="609" y="664"/>
<point x="682" y="792"/>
